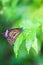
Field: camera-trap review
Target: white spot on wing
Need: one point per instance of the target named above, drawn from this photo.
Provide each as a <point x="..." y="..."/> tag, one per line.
<point x="6" y="33"/>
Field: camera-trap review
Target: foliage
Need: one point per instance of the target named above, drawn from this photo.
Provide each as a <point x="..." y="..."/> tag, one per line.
<point x="28" y="15"/>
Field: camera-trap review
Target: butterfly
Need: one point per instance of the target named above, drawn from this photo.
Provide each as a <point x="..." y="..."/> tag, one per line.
<point x="12" y="34"/>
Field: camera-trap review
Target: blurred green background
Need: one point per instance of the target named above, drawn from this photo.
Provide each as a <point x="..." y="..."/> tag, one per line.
<point x="28" y="47"/>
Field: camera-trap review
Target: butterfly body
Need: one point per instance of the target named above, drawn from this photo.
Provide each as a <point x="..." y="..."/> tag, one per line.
<point x="12" y="34"/>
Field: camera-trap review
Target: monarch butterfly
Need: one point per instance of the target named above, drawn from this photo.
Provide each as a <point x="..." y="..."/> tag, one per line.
<point x="12" y="34"/>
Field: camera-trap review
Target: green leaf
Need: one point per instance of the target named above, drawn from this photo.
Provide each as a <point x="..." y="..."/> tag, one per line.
<point x="30" y="40"/>
<point x="35" y="45"/>
<point x="17" y="43"/>
<point x="22" y="53"/>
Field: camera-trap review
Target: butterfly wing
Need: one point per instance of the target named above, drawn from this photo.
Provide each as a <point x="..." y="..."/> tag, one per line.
<point x="10" y="41"/>
<point x="12" y="35"/>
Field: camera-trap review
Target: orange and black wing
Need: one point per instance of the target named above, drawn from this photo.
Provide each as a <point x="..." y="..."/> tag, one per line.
<point x="10" y="41"/>
<point x="13" y="34"/>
